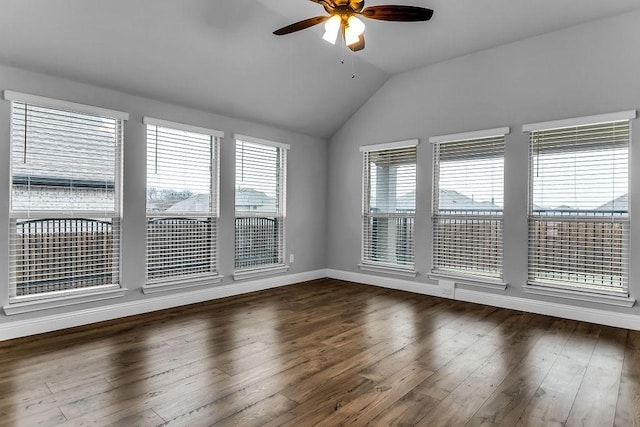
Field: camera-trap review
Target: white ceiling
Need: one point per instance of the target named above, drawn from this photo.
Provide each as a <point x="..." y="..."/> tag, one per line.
<point x="221" y="56"/>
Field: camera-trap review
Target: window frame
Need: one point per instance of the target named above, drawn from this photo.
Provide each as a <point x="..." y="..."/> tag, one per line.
<point x="575" y="291"/>
<point x="18" y="304"/>
<point x="187" y="280"/>
<point x="466" y="276"/>
<point x="367" y="246"/>
<point x="278" y="216"/>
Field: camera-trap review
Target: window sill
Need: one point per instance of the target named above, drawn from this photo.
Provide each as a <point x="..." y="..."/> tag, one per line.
<point x="477" y="281"/>
<point x="180" y="283"/>
<point x="20" y="305"/>
<point x="257" y="272"/>
<point x="579" y="295"/>
<point x="398" y="271"/>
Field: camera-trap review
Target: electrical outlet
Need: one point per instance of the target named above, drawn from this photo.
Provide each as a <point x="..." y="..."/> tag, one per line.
<point x="291" y="258"/>
<point x="447" y="288"/>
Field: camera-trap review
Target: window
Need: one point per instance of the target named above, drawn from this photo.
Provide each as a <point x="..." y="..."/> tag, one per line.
<point x="389" y="205"/>
<point x="260" y="204"/>
<point x="578" y="208"/>
<point x="65" y="198"/>
<point x="182" y="201"/>
<point x="468" y="198"/>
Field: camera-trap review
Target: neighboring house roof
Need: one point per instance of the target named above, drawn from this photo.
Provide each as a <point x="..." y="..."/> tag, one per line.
<point x="618" y="204"/>
<point x="449" y="200"/>
<point x="195" y="203"/>
<point x="563" y="208"/>
<point x="254" y="200"/>
<point x="453" y="200"/>
<point x="246" y="199"/>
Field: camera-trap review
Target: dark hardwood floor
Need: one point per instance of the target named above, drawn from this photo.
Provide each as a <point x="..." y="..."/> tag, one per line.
<point x="330" y="353"/>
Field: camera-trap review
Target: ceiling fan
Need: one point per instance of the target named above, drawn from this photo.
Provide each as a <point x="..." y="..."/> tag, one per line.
<point x="343" y="14"/>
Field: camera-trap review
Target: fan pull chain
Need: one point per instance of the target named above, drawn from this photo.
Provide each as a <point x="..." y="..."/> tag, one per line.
<point x="343" y="50"/>
<point x="353" y="65"/>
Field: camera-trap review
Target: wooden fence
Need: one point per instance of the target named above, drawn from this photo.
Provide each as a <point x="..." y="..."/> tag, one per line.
<point x="258" y="241"/>
<point x="468" y="245"/>
<point x="51" y="255"/>
<point x="569" y="250"/>
<point x="179" y="246"/>
<point x="57" y="254"/>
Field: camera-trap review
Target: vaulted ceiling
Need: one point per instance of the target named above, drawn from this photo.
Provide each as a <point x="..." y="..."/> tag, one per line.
<point x="221" y="56"/>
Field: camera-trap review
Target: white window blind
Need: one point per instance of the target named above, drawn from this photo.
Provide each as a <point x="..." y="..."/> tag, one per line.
<point x="578" y="209"/>
<point x="182" y="203"/>
<point x="260" y="200"/>
<point x="389" y="207"/>
<point x="468" y="207"/>
<point x="65" y="201"/>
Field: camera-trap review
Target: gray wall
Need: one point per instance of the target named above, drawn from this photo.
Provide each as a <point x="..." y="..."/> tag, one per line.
<point x="306" y="191"/>
<point x="589" y="69"/>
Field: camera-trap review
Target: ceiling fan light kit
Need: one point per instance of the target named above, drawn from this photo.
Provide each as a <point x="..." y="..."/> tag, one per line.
<point x="353" y="30"/>
<point x="342" y="15"/>
<point x="331" y="29"/>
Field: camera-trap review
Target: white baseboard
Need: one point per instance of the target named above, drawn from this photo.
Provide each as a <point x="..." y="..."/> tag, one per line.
<point x="386" y="282"/>
<point x="23" y="328"/>
<point x="565" y="311"/>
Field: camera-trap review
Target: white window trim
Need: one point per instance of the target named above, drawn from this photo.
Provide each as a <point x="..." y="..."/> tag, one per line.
<point x="42" y="101"/>
<point x="580" y="295"/>
<point x="581" y="121"/>
<point x="152" y="287"/>
<point x="379" y="267"/>
<point x="390" y="145"/>
<point x="255" y="140"/>
<point x="388" y="269"/>
<point x="477" y="281"/>
<point x="44" y="301"/>
<point x="63" y="299"/>
<point x="249" y="273"/>
<point x="477" y="134"/>
<point x="181" y="126"/>
<point x="471" y="280"/>
<point x="186" y="282"/>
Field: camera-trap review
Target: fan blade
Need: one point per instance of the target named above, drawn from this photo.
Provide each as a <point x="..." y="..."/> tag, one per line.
<point x="327" y="4"/>
<point x="358" y="46"/>
<point x="300" y="25"/>
<point x="397" y="13"/>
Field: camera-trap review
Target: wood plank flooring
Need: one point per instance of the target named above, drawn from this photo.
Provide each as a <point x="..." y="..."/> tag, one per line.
<point x="327" y="353"/>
